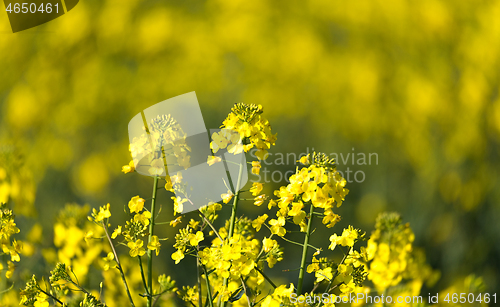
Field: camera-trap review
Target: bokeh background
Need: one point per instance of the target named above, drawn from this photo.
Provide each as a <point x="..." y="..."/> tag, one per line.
<point x="415" y="82"/>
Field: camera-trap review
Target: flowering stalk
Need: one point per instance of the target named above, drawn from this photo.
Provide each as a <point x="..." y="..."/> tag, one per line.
<point x="236" y="199"/>
<point x="150" y="252"/>
<point x="232" y="222"/>
<point x="304" y="251"/>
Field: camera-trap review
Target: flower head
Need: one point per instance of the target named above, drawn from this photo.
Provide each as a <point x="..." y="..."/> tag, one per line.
<point x="136" y="204"/>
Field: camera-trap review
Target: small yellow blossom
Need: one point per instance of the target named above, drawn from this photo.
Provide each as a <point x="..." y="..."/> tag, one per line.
<point x="108" y="261"/>
<point x="136" y="204"/>
<point x="277" y="226"/>
<point x="157" y="167"/>
<point x="128" y="168"/>
<point x="324" y="274"/>
<point x="213" y="159"/>
<point x="41" y="300"/>
<point x="193" y="224"/>
<point x="178" y="204"/>
<point x="136" y="248"/>
<point x="154" y="245"/>
<point x="89" y="235"/>
<point x="195" y="239"/>
<point x="259" y="200"/>
<point x="103" y="213"/>
<point x="256" y="188"/>
<point x="257" y="223"/>
<point x="226" y="198"/>
<point x="143" y="218"/>
<point x="268" y="244"/>
<point x="256" y="167"/>
<point x="176" y="222"/>
<point x="116" y="232"/>
<point x="304" y="160"/>
<point x="178" y="256"/>
<point x="168" y="185"/>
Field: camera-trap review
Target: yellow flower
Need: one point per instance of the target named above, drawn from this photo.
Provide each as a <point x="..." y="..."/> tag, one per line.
<point x="128" y="168"/>
<point x="136" y="248"/>
<point x="256" y="167"/>
<point x="330" y="218"/>
<point x="178" y="256"/>
<point x="116" y="232"/>
<point x="296" y="208"/>
<point x="259" y="200"/>
<point x="195" y="239"/>
<point x="13" y="250"/>
<point x="143" y="218"/>
<point x="157" y="167"/>
<point x="193" y="224"/>
<point x="168" y="185"/>
<point x="257" y="223"/>
<point x="271" y="302"/>
<point x="271" y="204"/>
<point x="314" y="266"/>
<point x="104" y="213"/>
<point x="88" y="235"/>
<point x="213" y="159"/>
<point x="324" y="274"/>
<point x="268" y="244"/>
<point x="108" y="261"/>
<point x="304" y="160"/>
<point x="178" y="204"/>
<point x="277" y="226"/>
<point x="256" y="188"/>
<point x="136" y="204"/>
<point x="176" y="222"/>
<point x="10" y="270"/>
<point x="154" y="245"/>
<point x="226" y="198"/>
<point x="41" y="300"/>
<point x="219" y="140"/>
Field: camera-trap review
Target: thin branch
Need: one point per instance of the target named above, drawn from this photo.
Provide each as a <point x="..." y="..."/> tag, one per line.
<point x="118" y="265"/>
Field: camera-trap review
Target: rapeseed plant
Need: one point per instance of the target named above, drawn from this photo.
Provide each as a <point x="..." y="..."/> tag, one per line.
<point x="232" y="262"/>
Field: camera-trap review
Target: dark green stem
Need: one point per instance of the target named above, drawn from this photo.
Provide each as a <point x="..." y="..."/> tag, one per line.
<point x="304" y="251"/>
<point x="143" y="276"/>
<point x="209" y="291"/>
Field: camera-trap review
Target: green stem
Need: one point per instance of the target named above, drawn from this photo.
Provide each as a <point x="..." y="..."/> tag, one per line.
<point x="235" y="202"/>
<point x="209" y="291"/>
<point x="142" y="276"/>
<point x="198" y="263"/>
<point x="246" y="292"/>
<point x="304" y="251"/>
<point x="150" y="238"/>
<point x="118" y="265"/>
<point x="233" y="215"/>
<point x="265" y="277"/>
<point x="51" y="296"/>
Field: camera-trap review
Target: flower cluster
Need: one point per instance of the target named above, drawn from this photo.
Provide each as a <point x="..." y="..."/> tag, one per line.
<point x="395" y="266"/>
<point x="318" y="185"/>
<point x="74" y="239"/>
<point x="253" y="128"/>
<point x="10" y="247"/>
<point x="232" y="260"/>
<point x="163" y="141"/>
<point x="238" y="257"/>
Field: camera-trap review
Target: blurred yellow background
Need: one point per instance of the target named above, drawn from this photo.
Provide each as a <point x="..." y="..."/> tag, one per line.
<point x="416" y="82"/>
